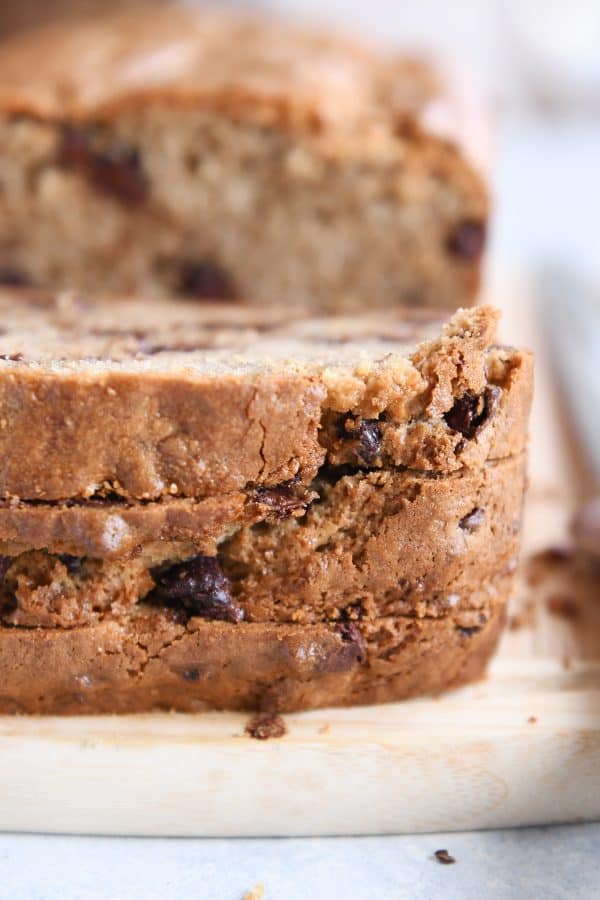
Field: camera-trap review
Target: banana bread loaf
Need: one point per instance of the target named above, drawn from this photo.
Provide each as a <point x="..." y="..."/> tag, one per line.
<point x="206" y="154"/>
<point x="221" y="507"/>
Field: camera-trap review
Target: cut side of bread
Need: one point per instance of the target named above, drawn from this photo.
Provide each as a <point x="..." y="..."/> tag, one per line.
<point x="218" y="157"/>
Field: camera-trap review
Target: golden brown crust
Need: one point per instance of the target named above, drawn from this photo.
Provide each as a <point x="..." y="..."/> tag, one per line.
<point x="257" y="67"/>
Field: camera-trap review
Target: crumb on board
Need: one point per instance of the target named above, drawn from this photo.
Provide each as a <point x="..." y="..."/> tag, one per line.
<point x="324" y="729"/>
<point x="532" y="720"/>
<point x="444" y="857"/>
<point x="257" y="893"/>
<point x="265" y="726"/>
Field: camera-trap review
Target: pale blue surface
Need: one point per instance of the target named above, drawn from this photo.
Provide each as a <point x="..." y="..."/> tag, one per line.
<point x="529" y="864"/>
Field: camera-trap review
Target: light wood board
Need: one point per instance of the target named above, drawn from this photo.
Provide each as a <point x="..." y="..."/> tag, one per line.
<point x="521" y="747"/>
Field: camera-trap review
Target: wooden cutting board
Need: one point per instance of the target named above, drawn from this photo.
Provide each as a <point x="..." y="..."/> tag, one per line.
<point x="521" y="747"/>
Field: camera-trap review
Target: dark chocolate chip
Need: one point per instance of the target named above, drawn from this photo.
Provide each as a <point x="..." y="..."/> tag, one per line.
<point x="469" y="632"/>
<point x="467" y="241"/>
<point x="191" y="675"/>
<point x="115" y="170"/>
<point x="5" y="564"/>
<point x="198" y="586"/>
<point x="7" y="604"/>
<point x="350" y="633"/>
<point x="473" y="520"/>
<point x="444" y="857"/>
<point x="263" y="727"/>
<point x="12" y="357"/>
<point x="13" y="277"/>
<point x="206" y="280"/>
<point x="367" y="434"/>
<point x="472" y="411"/>
<point x="282" y="501"/>
<point x="73" y="564"/>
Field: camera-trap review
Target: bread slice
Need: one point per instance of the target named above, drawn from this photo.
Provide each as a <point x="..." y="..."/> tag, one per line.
<point x="143" y="401"/>
<point x="207" y="154"/>
<point x="152" y="661"/>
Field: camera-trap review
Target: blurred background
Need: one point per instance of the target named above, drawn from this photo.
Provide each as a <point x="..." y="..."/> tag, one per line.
<point x="539" y="63"/>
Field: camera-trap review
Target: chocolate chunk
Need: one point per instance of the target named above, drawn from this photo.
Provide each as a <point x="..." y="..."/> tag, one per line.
<point x="191" y="675"/>
<point x="469" y="632"/>
<point x="472" y="411"/>
<point x="206" y="280"/>
<point x="473" y="520"/>
<point x="444" y="857"/>
<point x="5" y="564"/>
<point x="282" y="501"/>
<point x="467" y="241"/>
<point x="266" y="726"/>
<point x="115" y="170"/>
<point x="350" y="633"/>
<point x="367" y="434"/>
<point x="198" y="586"/>
<point x="7" y="604"/>
<point x="73" y="563"/>
<point x="13" y="277"/>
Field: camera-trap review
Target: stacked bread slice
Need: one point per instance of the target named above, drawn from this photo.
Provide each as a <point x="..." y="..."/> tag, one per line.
<point x="300" y="486"/>
<point x="218" y="507"/>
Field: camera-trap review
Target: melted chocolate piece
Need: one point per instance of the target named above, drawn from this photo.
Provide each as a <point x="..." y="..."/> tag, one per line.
<point x="467" y="241"/>
<point x="13" y="277"/>
<point x="191" y="675"/>
<point x="472" y="411"/>
<point x="350" y="633"/>
<point x="5" y="563"/>
<point x="282" y="500"/>
<point x="473" y="520"/>
<point x="115" y="170"/>
<point x="206" y="280"/>
<point x="7" y="604"/>
<point x="198" y="586"/>
<point x="367" y="434"/>
<point x="469" y="632"/>
<point x="73" y="563"/>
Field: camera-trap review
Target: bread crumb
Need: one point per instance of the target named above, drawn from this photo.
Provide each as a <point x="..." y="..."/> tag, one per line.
<point x="263" y="727"/>
<point x="532" y="720"/>
<point x="257" y="893"/>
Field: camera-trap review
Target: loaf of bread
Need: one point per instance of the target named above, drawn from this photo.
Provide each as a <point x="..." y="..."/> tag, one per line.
<point x="207" y="506"/>
<point x="207" y="154"/>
